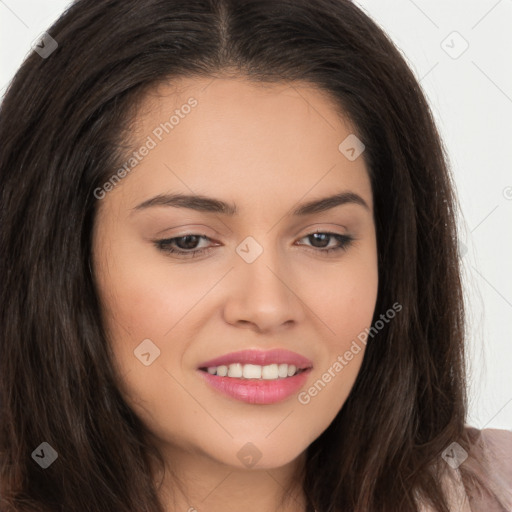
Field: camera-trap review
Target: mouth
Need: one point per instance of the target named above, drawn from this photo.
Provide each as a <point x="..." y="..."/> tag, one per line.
<point x="257" y="377"/>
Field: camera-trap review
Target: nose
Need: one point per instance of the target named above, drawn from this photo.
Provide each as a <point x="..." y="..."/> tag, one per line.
<point x="264" y="294"/>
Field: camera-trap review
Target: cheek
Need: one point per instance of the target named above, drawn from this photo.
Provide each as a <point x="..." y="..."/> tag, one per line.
<point x="144" y="298"/>
<point x="323" y="397"/>
<point x="346" y="308"/>
<point x="348" y="312"/>
<point x="141" y="304"/>
<point x="343" y="297"/>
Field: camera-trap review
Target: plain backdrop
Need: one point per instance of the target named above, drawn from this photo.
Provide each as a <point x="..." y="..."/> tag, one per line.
<point x="461" y="53"/>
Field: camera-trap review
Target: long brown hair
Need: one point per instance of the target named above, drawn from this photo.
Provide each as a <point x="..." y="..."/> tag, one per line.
<point x="63" y="130"/>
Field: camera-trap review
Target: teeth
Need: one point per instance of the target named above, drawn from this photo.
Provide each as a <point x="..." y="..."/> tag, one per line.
<point x="254" y="371"/>
<point x="235" y="370"/>
<point x="222" y="371"/>
<point x="271" y="371"/>
<point x="291" y="370"/>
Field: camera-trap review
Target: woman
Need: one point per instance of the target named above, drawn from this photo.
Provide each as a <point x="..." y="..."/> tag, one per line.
<point x="231" y="275"/>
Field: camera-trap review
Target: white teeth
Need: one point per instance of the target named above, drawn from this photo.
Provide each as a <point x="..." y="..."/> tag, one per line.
<point x="254" y="371"/>
<point x="270" y="372"/>
<point x="235" y="370"/>
<point x="222" y="371"/>
<point x="283" y="370"/>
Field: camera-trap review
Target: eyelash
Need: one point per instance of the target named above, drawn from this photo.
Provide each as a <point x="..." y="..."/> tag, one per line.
<point x="163" y="245"/>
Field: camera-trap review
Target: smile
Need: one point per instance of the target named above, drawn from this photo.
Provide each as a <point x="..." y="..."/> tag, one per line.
<point x="257" y="376"/>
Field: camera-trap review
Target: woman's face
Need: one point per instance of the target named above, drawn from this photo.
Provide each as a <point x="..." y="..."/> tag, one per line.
<point x="266" y="282"/>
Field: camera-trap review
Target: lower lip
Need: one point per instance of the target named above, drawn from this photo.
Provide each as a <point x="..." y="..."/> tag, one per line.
<point x="255" y="391"/>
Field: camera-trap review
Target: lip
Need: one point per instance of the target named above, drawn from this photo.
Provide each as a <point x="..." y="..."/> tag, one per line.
<point x="256" y="391"/>
<point x="260" y="357"/>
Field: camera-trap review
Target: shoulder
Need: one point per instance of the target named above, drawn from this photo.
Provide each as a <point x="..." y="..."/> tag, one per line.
<point x="478" y="477"/>
<point x="490" y="460"/>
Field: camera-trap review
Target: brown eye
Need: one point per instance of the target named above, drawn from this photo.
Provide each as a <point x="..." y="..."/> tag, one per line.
<point x="186" y="245"/>
<point x="321" y="241"/>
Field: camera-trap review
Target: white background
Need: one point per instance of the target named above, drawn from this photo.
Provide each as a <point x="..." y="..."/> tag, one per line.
<point x="471" y="97"/>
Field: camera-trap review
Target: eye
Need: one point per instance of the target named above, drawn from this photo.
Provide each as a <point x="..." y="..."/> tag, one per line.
<point x="186" y="246"/>
<point x="323" y="239"/>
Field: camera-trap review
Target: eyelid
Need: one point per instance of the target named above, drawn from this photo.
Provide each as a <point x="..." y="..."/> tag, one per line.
<point x="322" y="227"/>
<point x="189" y="229"/>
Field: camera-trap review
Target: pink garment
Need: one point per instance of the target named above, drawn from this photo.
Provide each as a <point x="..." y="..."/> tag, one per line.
<point x="490" y="456"/>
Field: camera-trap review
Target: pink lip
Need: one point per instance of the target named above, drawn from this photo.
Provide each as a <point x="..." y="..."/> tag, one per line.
<point x="260" y="357"/>
<point x="258" y="391"/>
<point x="255" y="391"/>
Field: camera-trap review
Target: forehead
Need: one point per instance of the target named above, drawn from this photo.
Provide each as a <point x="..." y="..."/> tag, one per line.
<point x="232" y="135"/>
<point x="244" y="103"/>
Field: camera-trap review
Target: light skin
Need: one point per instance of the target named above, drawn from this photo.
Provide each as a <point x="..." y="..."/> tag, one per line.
<point x="267" y="149"/>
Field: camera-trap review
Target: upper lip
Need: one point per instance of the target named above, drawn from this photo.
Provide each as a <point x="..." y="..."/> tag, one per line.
<point x="260" y="357"/>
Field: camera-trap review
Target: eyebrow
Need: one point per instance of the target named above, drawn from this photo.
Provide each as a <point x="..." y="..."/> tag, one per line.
<point x="211" y="205"/>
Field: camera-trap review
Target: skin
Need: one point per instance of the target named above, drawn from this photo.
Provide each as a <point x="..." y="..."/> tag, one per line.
<point x="265" y="148"/>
